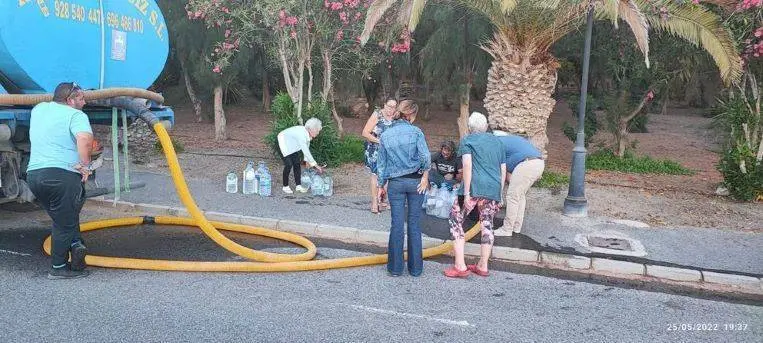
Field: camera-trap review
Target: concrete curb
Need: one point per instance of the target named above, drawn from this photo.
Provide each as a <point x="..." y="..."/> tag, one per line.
<point x="701" y="279"/>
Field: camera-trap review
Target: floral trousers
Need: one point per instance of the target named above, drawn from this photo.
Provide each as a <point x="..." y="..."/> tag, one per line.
<point x="487" y="209"/>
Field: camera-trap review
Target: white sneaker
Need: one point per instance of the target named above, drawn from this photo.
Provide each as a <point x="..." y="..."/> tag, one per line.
<point x="501" y="232"/>
<point x="287" y="190"/>
<point x="300" y="189"/>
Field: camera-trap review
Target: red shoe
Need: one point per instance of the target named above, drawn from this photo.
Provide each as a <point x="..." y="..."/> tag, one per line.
<point x="455" y="273"/>
<point x="474" y="269"/>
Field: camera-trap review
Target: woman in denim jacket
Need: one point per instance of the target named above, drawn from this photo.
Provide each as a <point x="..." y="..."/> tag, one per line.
<point x="403" y="162"/>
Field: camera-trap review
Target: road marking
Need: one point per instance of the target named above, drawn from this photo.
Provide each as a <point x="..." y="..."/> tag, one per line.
<point x="14" y="253"/>
<point x="410" y="315"/>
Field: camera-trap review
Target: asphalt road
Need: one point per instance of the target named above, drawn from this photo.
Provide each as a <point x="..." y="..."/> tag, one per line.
<point x="349" y="305"/>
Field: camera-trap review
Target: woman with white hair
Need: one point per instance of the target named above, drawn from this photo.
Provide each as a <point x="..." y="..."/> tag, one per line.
<point x="292" y="141"/>
<point x="484" y="169"/>
<point x="402" y="164"/>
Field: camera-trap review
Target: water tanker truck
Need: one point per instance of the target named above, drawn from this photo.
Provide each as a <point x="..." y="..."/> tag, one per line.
<point x="116" y="48"/>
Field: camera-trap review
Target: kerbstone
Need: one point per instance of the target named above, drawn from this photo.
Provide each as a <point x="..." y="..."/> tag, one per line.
<point x="339" y="233"/>
<point x="565" y="260"/>
<point x="676" y="274"/>
<point x="267" y="223"/>
<point x="618" y="267"/>
<point x="732" y="280"/>
<point x="378" y="238"/>
<point x="514" y="254"/>
<point x="302" y="228"/>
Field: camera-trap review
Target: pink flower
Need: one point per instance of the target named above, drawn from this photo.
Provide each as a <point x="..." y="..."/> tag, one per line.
<point x="650" y="95"/>
<point x="227" y="33"/>
<point x="339" y="35"/>
<point x="293" y="34"/>
<point x="759" y="32"/>
<point x="217" y="69"/>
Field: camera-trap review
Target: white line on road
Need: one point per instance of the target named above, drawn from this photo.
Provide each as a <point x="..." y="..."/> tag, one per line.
<point x="14" y="253"/>
<point x="410" y="315"/>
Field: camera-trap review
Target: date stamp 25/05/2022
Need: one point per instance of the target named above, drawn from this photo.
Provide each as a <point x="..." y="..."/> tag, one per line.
<point x="707" y="327"/>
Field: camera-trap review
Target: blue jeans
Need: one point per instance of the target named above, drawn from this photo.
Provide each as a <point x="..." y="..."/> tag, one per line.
<point x="399" y="191"/>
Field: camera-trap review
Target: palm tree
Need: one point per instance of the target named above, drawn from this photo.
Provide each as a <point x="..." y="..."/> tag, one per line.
<point x="522" y="76"/>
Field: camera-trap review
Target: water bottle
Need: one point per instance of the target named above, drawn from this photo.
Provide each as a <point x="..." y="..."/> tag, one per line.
<point x="265" y="180"/>
<point x="258" y="178"/>
<point x="443" y="210"/>
<point x="306" y="179"/>
<point x="231" y="182"/>
<point x="432" y="199"/>
<point x="248" y="182"/>
<point x="317" y="185"/>
<point x="328" y="186"/>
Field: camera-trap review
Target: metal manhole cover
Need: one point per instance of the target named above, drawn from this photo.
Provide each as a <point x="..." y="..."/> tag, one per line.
<point x="610" y="243"/>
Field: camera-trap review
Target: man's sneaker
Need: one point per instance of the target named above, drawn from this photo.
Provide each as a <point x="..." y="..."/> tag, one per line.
<point x="79" y="251"/>
<point x="287" y="190"/>
<point x="66" y="273"/>
<point x="501" y="232"/>
<point x="301" y="189"/>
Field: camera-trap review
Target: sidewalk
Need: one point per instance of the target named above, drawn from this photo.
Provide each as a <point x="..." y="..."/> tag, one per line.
<point x="554" y="237"/>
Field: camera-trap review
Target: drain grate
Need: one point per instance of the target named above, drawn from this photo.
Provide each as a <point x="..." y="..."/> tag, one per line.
<point x="610" y="243"/>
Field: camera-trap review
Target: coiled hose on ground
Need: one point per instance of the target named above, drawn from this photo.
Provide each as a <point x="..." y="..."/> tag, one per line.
<point x="260" y="261"/>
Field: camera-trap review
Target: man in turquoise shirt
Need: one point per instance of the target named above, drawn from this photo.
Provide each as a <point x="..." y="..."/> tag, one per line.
<point x="59" y="165"/>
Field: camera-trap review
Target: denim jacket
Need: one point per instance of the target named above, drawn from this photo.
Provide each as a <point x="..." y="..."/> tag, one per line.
<point x="402" y="151"/>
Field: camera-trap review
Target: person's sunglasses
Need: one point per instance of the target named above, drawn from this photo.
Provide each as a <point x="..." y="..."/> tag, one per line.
<point x="75" y="88"/>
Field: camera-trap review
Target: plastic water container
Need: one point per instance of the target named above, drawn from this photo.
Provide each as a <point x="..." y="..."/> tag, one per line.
<point x="231" y="182"/>
<point x="443" y="201"/>
<point x="258" y="178"/>
<point x="431" y="201"/>
<point x="328" y="186"/>
<point x="247" y="184"/>
<point x="306" y="179"/>
<point x="451" y="199"/>
<point x="265" y="180"/>
<point x="317" y="186"/>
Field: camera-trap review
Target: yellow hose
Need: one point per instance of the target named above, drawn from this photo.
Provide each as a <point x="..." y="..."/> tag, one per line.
<point x="261" y="261"/>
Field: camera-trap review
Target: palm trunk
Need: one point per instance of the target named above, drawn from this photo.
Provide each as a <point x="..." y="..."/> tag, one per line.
<point x="519" y="92"/>
<point x="221" y="132"/>
<point x="191" y="93"/>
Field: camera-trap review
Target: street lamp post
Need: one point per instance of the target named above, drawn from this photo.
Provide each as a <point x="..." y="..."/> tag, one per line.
<point x="576" y="204"/>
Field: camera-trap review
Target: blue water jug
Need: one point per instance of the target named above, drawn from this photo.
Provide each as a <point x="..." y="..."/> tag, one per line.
<point x="265" y="180"/>
<point x="317" y="185"/>
<point x="248" y="183"/>
<point x="307" y="178"/>
<point x="328" y="185"/>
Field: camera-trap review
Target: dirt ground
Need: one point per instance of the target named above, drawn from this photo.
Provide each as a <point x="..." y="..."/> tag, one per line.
<point x="659" y="200"/>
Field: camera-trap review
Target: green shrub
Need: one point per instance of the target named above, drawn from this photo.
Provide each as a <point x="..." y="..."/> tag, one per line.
<point x="552" y="180"/>
<point x="591" y="123"/>
<point x="742" y="172"/>
<point x="327" y="147"/>
<point x="606" y="160"/>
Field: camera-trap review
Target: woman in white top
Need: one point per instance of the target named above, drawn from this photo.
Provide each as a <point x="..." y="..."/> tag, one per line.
<point x="293" y="140"/>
